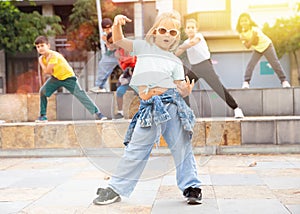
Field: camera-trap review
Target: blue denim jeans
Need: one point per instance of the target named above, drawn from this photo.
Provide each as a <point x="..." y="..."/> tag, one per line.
<point x="121" y="90"/>
<point x="105" y="68"/>
<point x="137" y="153"/>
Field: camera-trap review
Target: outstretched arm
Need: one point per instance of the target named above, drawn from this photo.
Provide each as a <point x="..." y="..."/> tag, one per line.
<point x="117" y="33"/>
<point x="184" y="46"/>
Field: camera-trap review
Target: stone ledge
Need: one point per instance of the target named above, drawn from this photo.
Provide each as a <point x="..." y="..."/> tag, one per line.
<point x="208" y="133"/>
<point x="109" y="152"/>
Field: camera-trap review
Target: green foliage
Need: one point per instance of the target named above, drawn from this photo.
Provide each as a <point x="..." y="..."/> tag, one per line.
<point x="18" y="30"/>
<point x="285" y="35"/>
<point x="83" y="32"/>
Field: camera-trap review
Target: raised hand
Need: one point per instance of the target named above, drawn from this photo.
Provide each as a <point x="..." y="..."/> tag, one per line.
<point x="121" y="20"/>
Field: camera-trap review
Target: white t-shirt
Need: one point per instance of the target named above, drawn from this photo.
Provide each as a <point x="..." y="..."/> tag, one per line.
<point x="198" y="52"/>
<point x="155" y="67"/>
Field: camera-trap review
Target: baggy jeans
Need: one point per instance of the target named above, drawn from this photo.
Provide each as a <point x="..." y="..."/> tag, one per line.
<point x="137" y="153"/>
<point x="272" y="58"/>
<point x="72" y="85"/>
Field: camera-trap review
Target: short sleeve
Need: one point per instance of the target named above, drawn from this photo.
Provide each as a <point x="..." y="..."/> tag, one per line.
<point x="138" y="47"/>
<point x="53" y="60"/>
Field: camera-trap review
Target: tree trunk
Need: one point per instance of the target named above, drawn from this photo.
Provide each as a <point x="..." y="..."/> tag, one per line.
<point x="297" y="65"/>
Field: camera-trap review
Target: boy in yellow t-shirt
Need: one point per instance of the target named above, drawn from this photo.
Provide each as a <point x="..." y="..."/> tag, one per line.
<point x="62" y="75"/>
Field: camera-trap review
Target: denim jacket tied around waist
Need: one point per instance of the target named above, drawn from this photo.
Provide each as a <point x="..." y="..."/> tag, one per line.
<point x="154" y="110"/>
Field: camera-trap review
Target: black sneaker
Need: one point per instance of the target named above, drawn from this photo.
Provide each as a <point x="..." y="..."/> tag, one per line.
<point x="118" y="116"/>
<point x="100" y="116"/>
<point x="106" y="196"/>
<point x="193" y="195"/>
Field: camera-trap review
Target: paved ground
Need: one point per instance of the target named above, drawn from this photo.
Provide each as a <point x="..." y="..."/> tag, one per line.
<point x="231" y="184"/>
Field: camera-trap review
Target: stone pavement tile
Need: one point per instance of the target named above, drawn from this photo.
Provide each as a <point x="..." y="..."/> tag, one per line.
<point x="231" y="170"/>
<point x="169" y="180"/>
<point x="243" y="192"/>
<point x="226" y="161"/>
<point x="250" y="206"/>
<point x="205" y="180"/>
<point x="260" y="165"/>
<point x="279" y="172"/>
<point x="179" y="206"/>
<point x="75" y="198"/>
<point x="92" y="173"/>
<point x="123" y="207"/>
<point x="22" y="194"/>
<point x="296" y="164"/>
<point x="7" y="163"/>
<point x="53" y="208"/>
<point x="7" y="179"/>
<point x="294" y="208"/>
<point x="142" y="197"/>
<point x="204" y="170"/>
<point x="288" y="196"/>
<point x="292" y="157"/>
<point x="169" y="192"/>
<point x="235" y="179"/>
<point x="43" y="181"/>
<point x="152" y="185"/>
<point x="282" y="182"/>
<point x="51" y="164"/>
<point x="208" y="192"/>
<point x="12" y="207"/>
<point x="72" y="185"/>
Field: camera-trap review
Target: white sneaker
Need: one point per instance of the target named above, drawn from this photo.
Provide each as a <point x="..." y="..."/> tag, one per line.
<point x="238" y="113"/>
<point x="245" y="85"/>
<point x="285" y="84"/>
<point x="97" y="90"/>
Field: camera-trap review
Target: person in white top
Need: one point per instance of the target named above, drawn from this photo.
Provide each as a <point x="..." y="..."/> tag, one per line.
<point x="201" y="66"/>
<point x="158" y="78"/>
<point x="252" y="37"/>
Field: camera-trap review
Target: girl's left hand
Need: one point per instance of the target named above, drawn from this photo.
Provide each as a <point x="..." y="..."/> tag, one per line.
<point x="121" y="20"/>
<point x="185" y="87"/>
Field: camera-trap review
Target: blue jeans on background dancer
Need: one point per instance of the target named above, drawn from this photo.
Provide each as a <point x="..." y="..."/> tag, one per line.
<point x="106" y="66"/>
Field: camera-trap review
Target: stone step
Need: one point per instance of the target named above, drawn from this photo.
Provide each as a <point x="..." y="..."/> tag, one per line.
<point x="205" y="103"/>
<point x="209" y="133"/>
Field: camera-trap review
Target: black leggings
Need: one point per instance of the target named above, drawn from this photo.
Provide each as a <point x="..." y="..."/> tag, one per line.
<point x="206" y="71"/>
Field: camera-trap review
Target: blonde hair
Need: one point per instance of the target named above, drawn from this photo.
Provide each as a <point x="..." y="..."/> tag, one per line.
<point x="173" y="17"/>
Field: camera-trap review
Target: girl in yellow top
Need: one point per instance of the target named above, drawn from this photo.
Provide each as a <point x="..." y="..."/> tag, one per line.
<point x="252" y="37"/>
<point x="62" y="75"/>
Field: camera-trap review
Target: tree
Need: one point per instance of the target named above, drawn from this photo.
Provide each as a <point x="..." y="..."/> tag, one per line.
<point x="285" y="35"/>
<point x="83" y="32"/>
<point x="18" y="30"/>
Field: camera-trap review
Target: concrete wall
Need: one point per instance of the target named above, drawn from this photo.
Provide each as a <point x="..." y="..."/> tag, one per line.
<point x="205" y="104"/>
